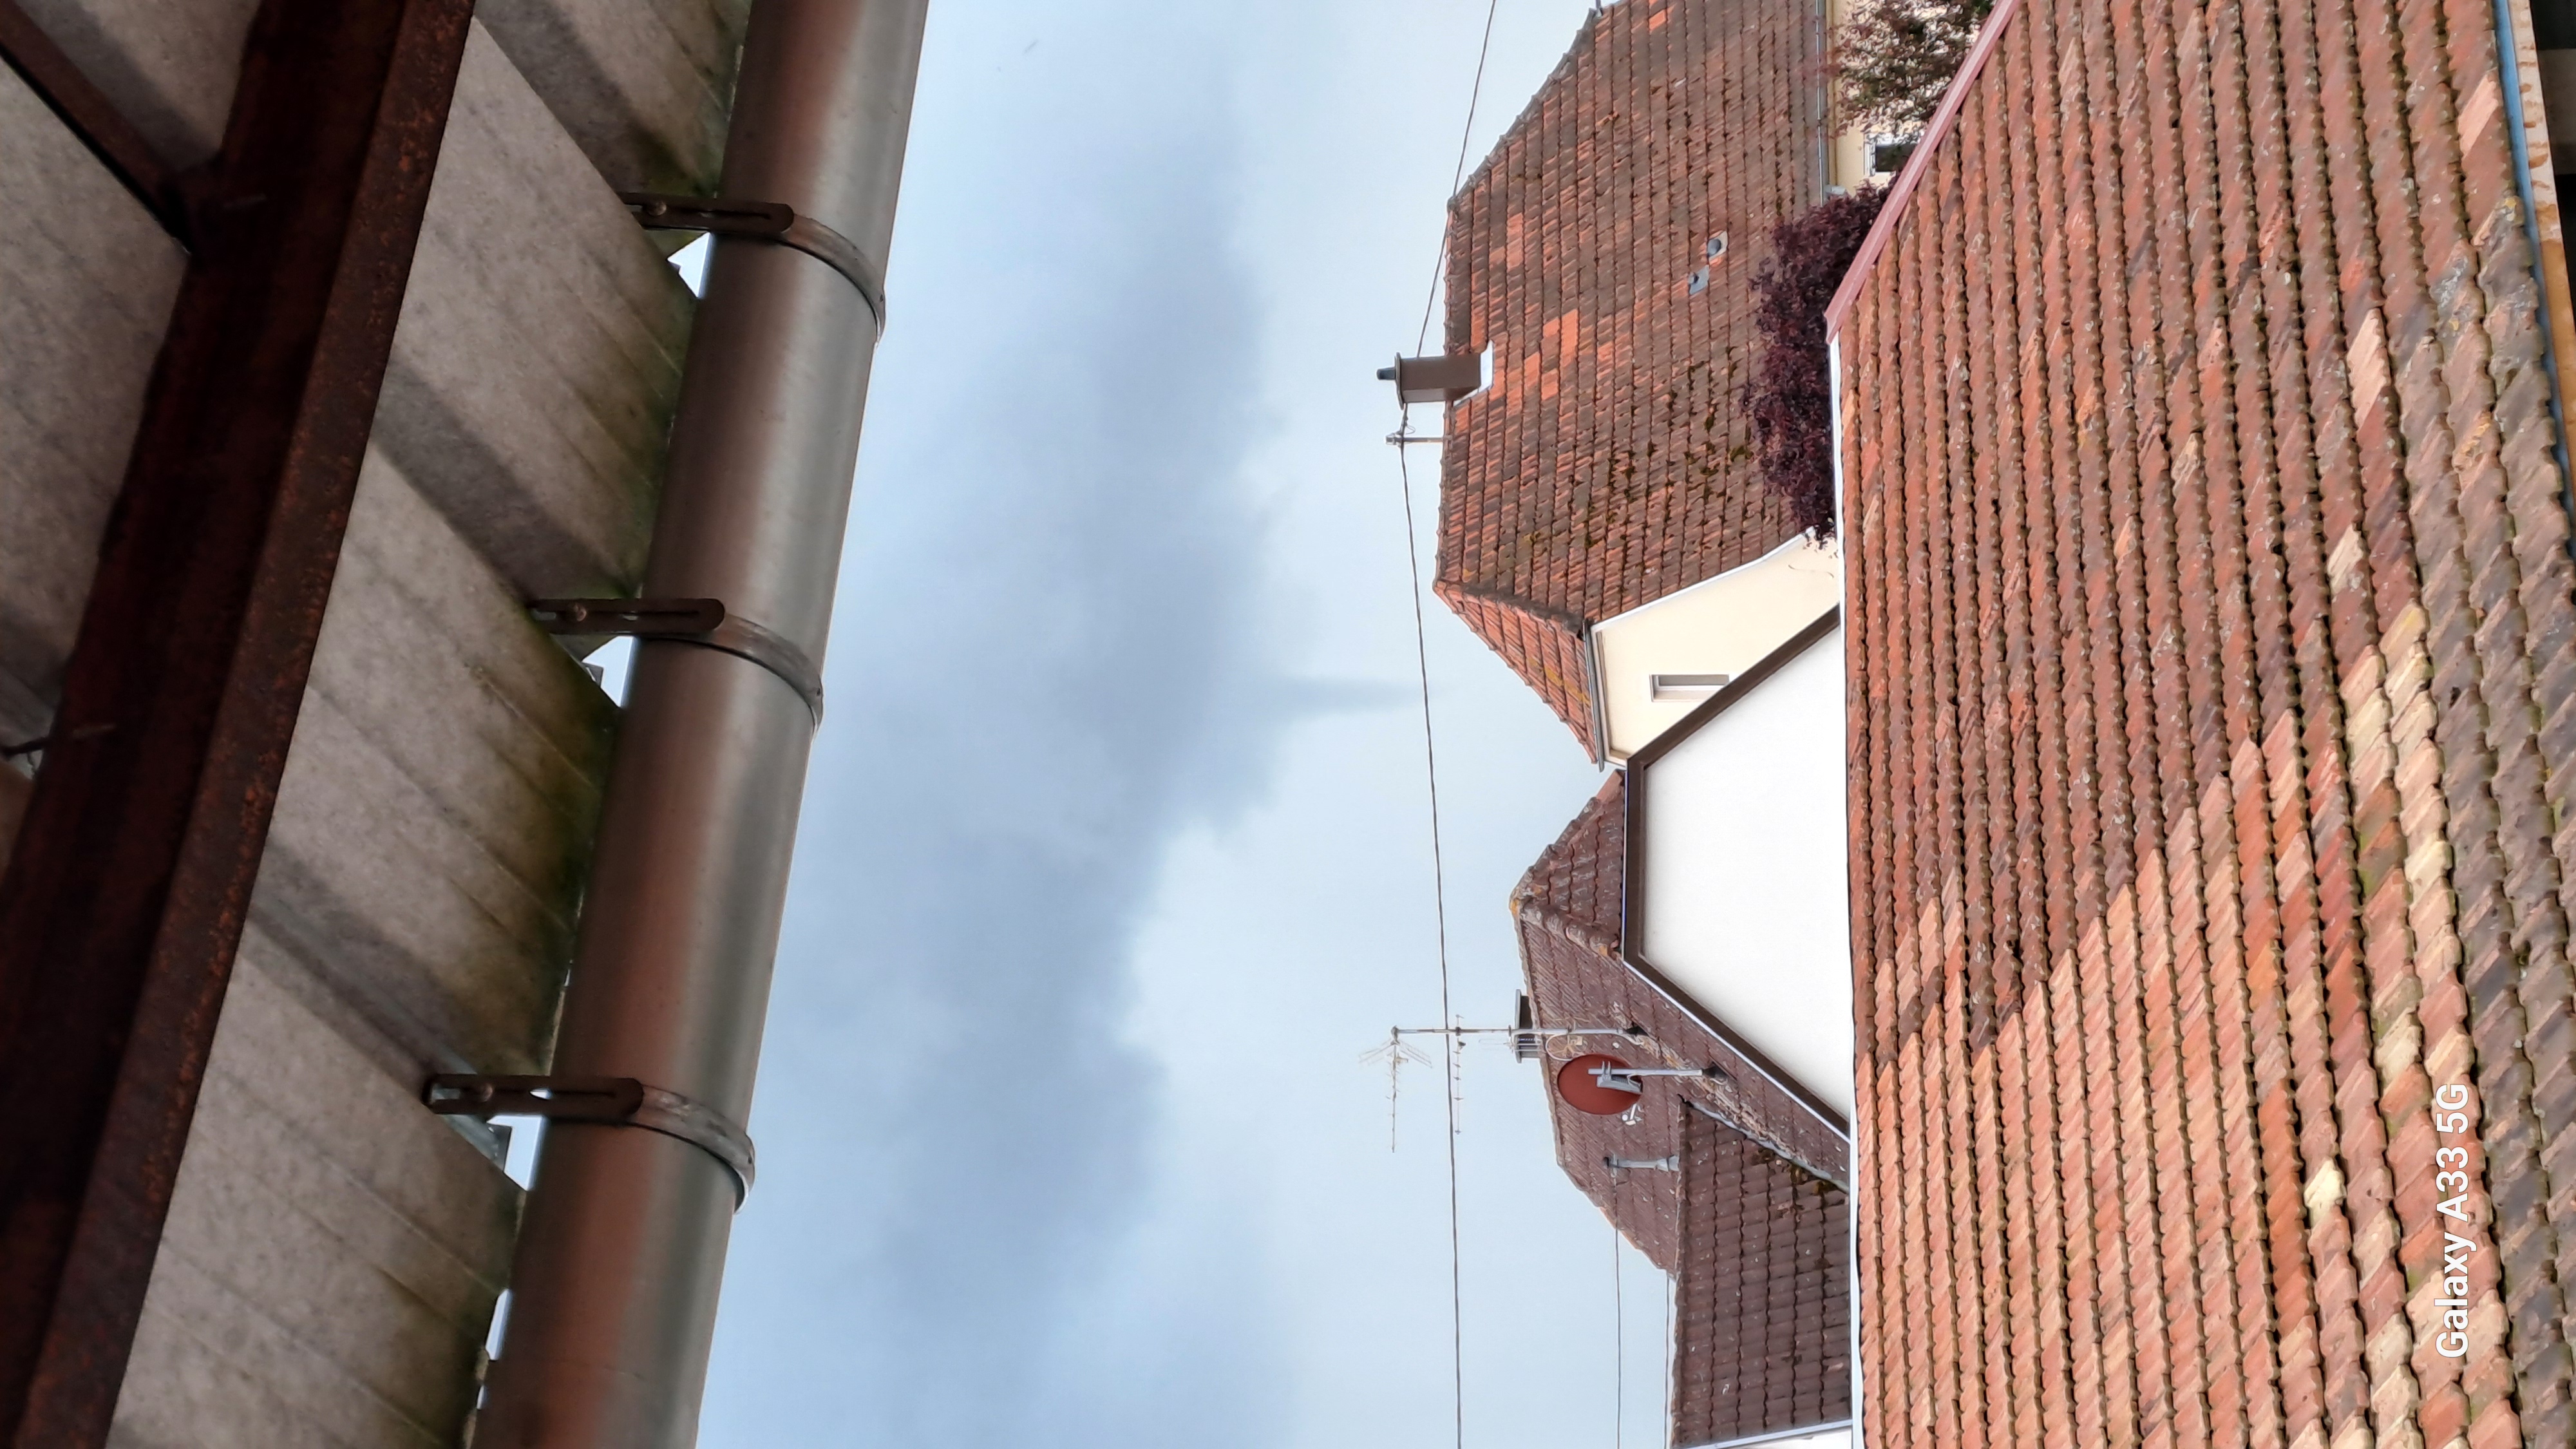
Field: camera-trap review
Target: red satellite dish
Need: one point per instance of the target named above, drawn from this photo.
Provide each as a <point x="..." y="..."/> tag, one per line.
<point x="1583" y="1091"/>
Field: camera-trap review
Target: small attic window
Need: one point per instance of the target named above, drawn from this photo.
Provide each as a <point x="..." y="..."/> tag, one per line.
<point x="1699" y="281"/>
<point x="1716" y="247"/>
<point x="1886" y="158"/>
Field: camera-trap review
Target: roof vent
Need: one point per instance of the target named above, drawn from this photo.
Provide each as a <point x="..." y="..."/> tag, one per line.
<point x="1686" y="686"/>
<point x="1438" y="379"/>
<point x="1716" y="247"/>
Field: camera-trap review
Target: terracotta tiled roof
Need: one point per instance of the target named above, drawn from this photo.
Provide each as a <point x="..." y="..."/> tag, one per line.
<point x="2213" y="702"/>
<point x="1567" y="911"/>
<point x="1762" y="1304"/>
<point x="1605" y="465"/>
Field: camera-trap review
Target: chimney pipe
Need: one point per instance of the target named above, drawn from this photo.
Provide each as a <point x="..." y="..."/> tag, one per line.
<point x="613" y="1294"/>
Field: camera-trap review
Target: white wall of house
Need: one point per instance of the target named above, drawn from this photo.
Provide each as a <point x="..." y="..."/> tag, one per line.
<point x="1744" y="875"/>
<point x="1723" y="625"/>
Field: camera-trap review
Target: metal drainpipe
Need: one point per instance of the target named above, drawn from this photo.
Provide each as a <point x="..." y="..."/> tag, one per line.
<point x="2518" y="136"/>
<point x="613" y="1294"/>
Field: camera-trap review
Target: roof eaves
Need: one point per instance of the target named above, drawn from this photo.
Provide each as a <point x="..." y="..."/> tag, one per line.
<point x="1565" y="619"/>
<point x="1583" y="720"/>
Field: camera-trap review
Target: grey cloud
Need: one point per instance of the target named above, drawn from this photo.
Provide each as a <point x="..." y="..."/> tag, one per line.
<point x="1053" y="655"/>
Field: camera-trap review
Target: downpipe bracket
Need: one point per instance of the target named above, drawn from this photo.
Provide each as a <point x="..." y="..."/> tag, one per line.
<point x="769" y="221"/>
<point x="702" y="622"/>
<point x="607" y="1101"/>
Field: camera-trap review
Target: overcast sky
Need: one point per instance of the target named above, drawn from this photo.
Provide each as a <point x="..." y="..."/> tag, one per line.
<point x="1115" y="858"/>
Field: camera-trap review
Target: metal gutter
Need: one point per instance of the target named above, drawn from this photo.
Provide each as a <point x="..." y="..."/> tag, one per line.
<point x="125" y="896"/>
<point x="1600" y="706"/>
<point x="613" y="1295"/>
<point x="2520" y="86"/>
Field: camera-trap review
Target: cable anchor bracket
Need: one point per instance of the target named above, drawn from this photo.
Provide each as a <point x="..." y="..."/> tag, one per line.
<point x="703" y="622"/>
<point x="769" y="221"/>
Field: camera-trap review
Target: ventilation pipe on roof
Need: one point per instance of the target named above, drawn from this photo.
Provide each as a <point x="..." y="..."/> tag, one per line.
<point x="613" y="1295"/>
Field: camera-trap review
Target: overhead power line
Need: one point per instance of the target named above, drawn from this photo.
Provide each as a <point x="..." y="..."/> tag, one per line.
<point x="1465" y="133"/>
<point x="1431" y="778"/>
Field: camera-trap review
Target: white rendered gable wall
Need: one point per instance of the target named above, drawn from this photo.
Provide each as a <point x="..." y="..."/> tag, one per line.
<point x="1745" y="876"/>
<point x="1723" y="625"/>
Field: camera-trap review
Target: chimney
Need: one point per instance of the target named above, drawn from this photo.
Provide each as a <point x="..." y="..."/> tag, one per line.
<point x="1443" y="378"/>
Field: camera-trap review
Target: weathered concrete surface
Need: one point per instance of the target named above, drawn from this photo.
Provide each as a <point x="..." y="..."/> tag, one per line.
<point x="437" y="809"/>
<point x="644" y="86"/>
<point x="86" y="284"/>
<point x="333" y="1251"/>
<point x="169" y="65"/>
<point x="539" y="354"/>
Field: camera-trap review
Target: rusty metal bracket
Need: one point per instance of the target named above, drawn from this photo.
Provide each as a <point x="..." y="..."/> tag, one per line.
<point x="642" y="618"/>
<point x="703" y="622"/>
<point x="608" y="1101"/>
<point x="771" y="221"/>
<point x="42" y="743"/>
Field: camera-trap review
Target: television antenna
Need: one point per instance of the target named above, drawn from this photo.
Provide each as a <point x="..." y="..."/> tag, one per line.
<point x="1530" y="1043"/>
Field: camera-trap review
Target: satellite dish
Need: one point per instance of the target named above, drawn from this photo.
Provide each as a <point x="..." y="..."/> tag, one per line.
<point x="1579" y="1083"/>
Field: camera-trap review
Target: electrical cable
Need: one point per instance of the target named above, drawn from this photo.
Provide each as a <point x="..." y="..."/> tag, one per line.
<point x="1618" y="1347"/>
<point x="1474" y="92"/>
<point x="1440" y="916"/>
<point x="1431" y="776"/>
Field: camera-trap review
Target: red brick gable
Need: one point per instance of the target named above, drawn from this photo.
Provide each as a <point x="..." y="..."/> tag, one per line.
<point x="1605" y="464"/>
<point x="2213" y="673"/>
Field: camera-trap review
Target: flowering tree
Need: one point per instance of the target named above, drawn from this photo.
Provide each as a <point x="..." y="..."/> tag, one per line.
<point x="1894" y="58"/>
